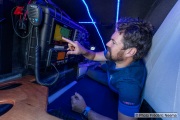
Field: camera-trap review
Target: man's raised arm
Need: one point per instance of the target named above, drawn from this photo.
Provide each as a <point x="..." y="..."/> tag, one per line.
<point x="76" y="48"/>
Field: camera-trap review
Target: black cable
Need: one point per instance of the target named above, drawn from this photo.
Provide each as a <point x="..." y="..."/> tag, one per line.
<point x="16" y="24"/>
<point x="37" y="62"/>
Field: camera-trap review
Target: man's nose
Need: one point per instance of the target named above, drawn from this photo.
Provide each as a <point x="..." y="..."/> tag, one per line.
<point x="108" y="44"/>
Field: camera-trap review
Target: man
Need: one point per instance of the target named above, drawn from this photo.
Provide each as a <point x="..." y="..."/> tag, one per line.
<point x="126" y="71"/>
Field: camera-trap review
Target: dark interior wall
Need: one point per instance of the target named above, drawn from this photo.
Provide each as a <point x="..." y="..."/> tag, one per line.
<point x="159" y="11"/>
<point x="138" y="8"/>
<point x="1" y="21"/>
<point x="6" y="37"/>
<point x="8" y="58"/>
<point x="154" y="11"/>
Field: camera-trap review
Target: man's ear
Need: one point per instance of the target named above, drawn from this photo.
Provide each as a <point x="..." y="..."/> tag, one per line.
<point x="130" y="52"/>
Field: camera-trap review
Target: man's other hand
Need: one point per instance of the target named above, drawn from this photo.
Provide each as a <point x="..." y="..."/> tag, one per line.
<point x="78" y="103"/>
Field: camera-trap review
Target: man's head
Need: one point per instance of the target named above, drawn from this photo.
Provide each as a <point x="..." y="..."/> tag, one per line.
<point x="133" y="38"/>
<point x="137" y="34"/>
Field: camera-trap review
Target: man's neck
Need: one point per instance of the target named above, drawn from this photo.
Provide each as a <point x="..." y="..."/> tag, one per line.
<point x="124" y="63"/>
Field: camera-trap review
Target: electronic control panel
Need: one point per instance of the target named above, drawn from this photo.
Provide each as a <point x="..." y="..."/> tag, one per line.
<point x="53" y="27"/>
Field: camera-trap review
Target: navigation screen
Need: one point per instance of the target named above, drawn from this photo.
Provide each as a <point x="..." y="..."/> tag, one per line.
<point x="61" y="31"/>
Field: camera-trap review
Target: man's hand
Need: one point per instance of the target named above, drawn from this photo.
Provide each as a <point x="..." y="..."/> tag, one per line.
<point x="74" y="47"/>
<point x="78" y="103"/>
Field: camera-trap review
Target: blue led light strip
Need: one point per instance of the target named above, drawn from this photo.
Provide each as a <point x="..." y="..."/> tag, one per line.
<point x="94" y="23"/>
<point x="88" y="22"/>
<point x="117" y="12"/>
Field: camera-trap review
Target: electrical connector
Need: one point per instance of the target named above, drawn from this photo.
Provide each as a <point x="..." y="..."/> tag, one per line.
<point x="18" y="10"/>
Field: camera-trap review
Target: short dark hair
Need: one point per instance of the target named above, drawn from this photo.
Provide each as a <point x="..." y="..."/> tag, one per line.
<point x="138" y="34"/>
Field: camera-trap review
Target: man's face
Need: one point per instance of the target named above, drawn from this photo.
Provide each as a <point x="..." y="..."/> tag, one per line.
<point x="115" y="47"/>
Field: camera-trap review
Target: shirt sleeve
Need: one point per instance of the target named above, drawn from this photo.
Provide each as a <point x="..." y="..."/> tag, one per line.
<point x="129" y="97"/>
<point x="128" y="110"/>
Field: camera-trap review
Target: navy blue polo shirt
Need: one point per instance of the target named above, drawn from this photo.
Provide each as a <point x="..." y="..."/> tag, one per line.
<point x="128" y="83"/>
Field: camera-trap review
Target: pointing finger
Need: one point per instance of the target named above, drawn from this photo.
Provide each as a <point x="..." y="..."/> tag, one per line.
<point x="68" y="41"/>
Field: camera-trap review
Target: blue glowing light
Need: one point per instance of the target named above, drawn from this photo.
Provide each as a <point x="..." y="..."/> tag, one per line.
<point x="117" y="12"/>
<point x="87" y="22"/>
<point x="94" y="23"/>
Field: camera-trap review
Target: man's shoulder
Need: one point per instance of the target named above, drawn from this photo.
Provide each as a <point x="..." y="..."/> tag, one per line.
<point x="135" y="71"/>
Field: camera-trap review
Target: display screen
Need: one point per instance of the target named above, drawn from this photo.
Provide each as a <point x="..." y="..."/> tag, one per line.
<point x="61" y="55"/>
<point x="61" y="31"/>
